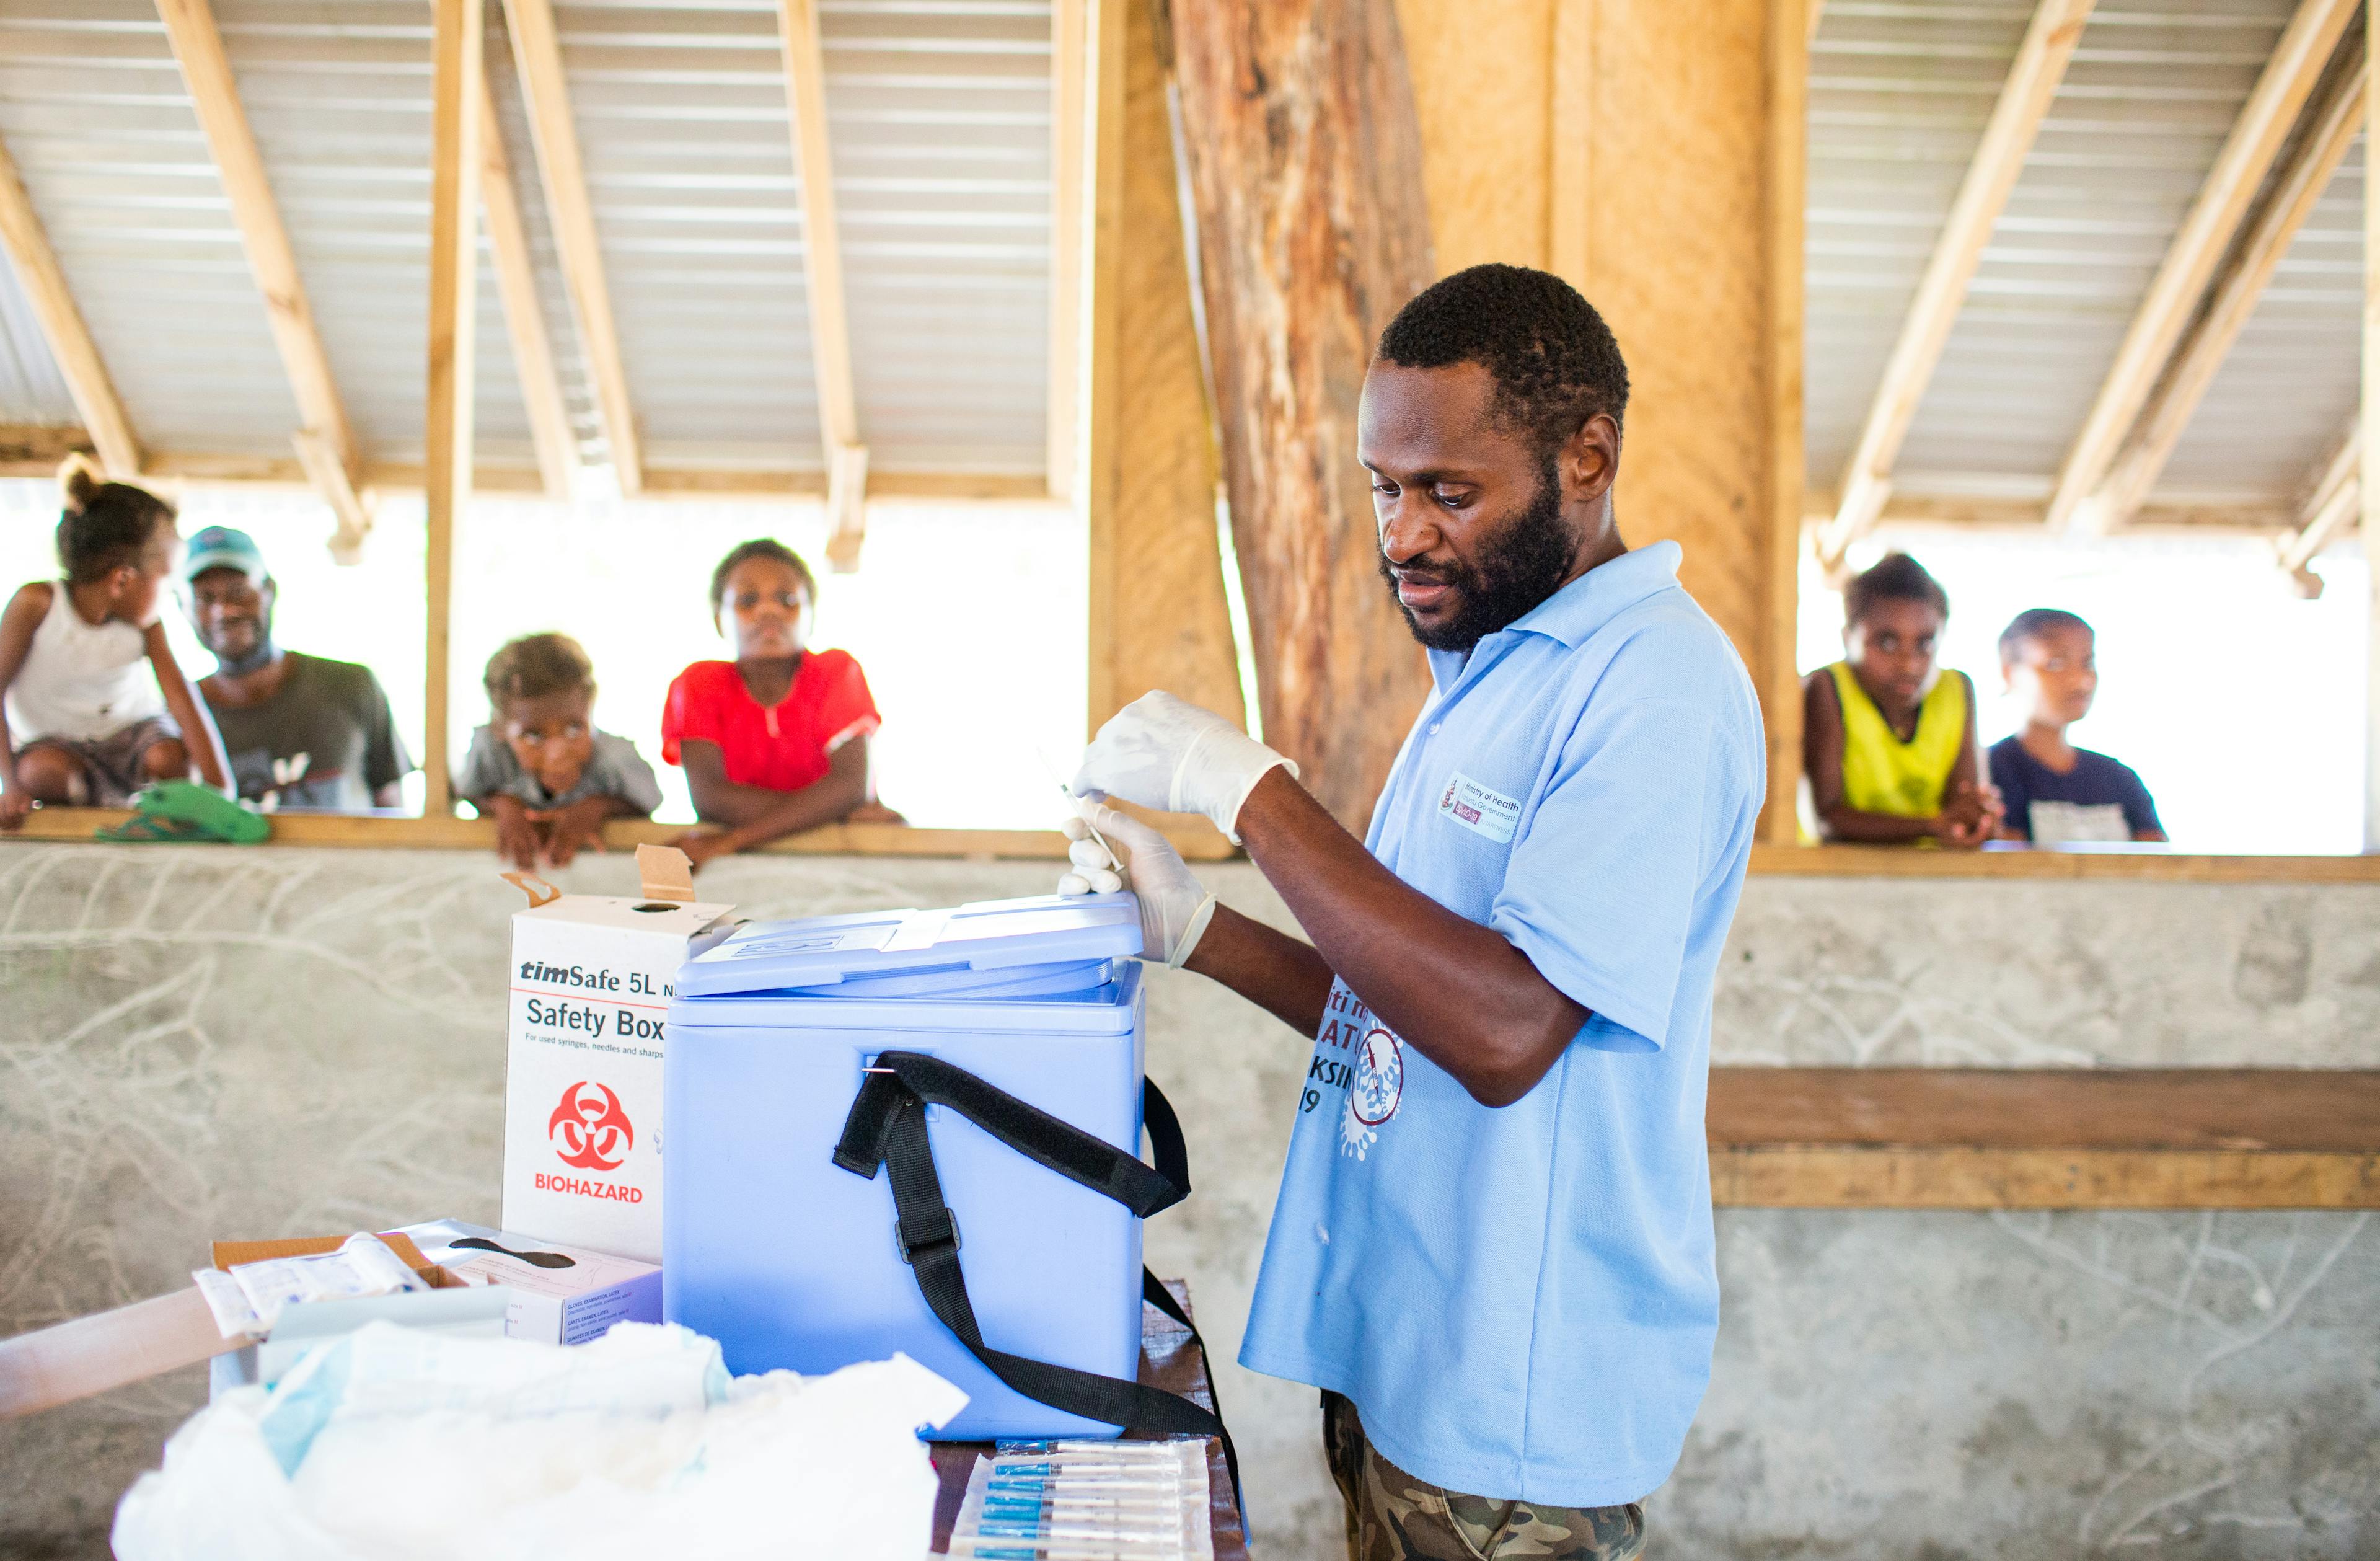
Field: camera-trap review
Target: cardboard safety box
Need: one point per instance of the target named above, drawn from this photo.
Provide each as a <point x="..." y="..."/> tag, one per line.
<point x="452" y="1305"/>
<point x="591" y="980"/>
<point x="559" y="1294"/>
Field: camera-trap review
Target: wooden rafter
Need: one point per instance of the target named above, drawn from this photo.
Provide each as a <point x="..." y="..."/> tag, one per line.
<point x="846" y="452"/>
<point x="537" y="51"/>
<point x="2206" y="235"/>
<point x="1990" y="511"/>
<point x="2331" y="126"/>
<point x="458" y="96"/>
<point x="2332" y="503"/>
<point x="63" y="326"/>
<point x="515" y="267"/>
<point x="2024" y="101"/>
<point x="215" y="94"/>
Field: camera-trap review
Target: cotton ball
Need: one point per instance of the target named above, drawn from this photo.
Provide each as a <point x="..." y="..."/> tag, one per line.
<point x="1106" y="880"/>
<point x="1075" y="829"/>
<point x="1074" y="883"/>
<point x="1089" y="855"/>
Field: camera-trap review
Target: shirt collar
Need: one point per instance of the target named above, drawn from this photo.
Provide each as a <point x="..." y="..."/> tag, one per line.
<point x="1587" y="604"/>
<point x="1573" y="614"/>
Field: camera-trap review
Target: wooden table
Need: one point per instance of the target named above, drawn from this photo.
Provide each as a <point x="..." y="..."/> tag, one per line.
<point x="1929" y="1138"/>
<point x="1168" y="1360"/>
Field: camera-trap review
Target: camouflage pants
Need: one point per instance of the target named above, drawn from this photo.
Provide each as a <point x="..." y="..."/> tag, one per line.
<point x="1393" y="1517"/>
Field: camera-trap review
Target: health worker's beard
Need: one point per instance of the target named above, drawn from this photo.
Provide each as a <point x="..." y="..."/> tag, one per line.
<point x="1519" y="567"/>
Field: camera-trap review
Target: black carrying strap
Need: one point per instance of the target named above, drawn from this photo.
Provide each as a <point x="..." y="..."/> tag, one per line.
<point x="886" y="1127"/>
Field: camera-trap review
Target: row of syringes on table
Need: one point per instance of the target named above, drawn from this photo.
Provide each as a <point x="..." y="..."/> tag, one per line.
<point x="1087" y="1501"/>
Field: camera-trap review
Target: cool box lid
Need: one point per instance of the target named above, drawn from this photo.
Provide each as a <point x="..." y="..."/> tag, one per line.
<point x="932" y="953"/>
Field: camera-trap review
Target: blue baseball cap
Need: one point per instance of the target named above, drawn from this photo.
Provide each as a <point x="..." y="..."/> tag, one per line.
<point x="220" y="547"/>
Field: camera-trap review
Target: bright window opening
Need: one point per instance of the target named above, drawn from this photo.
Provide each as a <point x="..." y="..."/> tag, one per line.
<point x="2241" y="703"/>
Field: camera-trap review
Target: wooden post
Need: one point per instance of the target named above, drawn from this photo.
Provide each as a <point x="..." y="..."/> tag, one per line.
<point x="1789" y="31"/>
<point x="1690" y="249"/>
<point x="1156" y="592"/>
<point x="1313" y="230"/>
<point x="2371" y="441"/>
<point x="457" y="98"/>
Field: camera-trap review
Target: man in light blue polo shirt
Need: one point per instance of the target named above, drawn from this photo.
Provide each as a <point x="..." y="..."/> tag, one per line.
<point x="1492" y="1249"/>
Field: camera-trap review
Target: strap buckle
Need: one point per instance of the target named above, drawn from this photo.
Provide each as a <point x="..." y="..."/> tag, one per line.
<point x="932" y="1245"/>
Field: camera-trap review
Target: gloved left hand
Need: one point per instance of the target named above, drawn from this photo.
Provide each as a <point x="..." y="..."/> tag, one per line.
<point x="1175" y="906"/>
<point x="1166" y="754"/>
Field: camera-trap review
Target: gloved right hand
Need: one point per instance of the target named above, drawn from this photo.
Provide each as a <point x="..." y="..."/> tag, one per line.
<point x="1164" y="752"/>
<point x="1175" y="906"/>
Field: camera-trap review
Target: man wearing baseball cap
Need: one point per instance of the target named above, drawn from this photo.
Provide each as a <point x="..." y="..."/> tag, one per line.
<point x="302" y="731"/>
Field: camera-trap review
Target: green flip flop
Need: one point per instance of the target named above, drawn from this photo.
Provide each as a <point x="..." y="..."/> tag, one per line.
<point x="183" y="811"/>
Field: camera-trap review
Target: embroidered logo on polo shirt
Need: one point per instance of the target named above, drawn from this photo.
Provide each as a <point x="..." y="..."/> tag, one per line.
<point x="1479" y="810"/>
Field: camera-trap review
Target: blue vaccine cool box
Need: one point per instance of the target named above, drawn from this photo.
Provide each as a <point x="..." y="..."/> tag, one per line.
<point x="788" y="1260"/>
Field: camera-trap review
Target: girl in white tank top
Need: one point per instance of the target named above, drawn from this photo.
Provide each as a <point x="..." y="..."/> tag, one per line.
<point x="82" y="681"/>
<point x="71" y="654"/>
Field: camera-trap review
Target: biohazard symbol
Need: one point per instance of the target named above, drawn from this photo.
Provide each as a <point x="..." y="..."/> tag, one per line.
<point x="594" y="1132"/>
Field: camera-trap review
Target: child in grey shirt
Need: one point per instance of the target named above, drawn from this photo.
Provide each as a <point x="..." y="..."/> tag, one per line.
<point x="540" y="768"/>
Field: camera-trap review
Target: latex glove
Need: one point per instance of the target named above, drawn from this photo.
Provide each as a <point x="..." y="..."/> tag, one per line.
<point x="1167" y="753"/>
<point x="1175" y="906"/>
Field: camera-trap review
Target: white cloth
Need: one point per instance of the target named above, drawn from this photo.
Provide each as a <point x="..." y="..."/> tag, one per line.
<point x="395" y="1444"/>
<point x="1164" y="752"/>
<point x="80" y="680"/>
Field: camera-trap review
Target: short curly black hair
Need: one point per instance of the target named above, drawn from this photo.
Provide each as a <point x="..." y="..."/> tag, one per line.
<point x="1554" y="360"/>
<point x="535" y="665"/>
<point x="1895" y="578"/>
<point x="759" y="547"/>
<point x="103" y="525"/>
<point x="2032" y="624"/>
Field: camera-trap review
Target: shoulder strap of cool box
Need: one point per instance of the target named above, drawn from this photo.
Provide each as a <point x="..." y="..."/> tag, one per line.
<point x="886" y="1127"/>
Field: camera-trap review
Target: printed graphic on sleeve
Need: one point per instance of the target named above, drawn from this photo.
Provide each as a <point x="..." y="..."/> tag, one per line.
<point x="1365" y="1061"/>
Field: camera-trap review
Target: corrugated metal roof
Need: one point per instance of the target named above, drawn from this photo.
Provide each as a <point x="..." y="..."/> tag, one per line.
<point x="1898" y="96"/>
<point x="338" y="95"/>
<point x="2296" y="374"/>
<point x="939" y="112"/>
<point x="93" y="109"/>
<point x="30" y="388"/>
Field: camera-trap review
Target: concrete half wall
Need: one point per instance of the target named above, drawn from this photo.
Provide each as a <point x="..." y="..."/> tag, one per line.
<point x="205" y="1043"/>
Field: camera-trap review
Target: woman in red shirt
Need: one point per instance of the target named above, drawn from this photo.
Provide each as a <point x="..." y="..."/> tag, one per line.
<point x="776" y="741"/>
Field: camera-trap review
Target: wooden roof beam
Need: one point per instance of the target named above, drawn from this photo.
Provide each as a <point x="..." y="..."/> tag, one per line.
<point x="2205" y="235"/>
<point x="63" y="326"/>
<point x="2332" y="123"/>
<point x="2333" y="503"/>
<point x="537" y="51"/>
<point x="2024" y="101"/>
<point x="215" y="94"/>
<point x="846" y="452"/>
<point x="515" y="267"/>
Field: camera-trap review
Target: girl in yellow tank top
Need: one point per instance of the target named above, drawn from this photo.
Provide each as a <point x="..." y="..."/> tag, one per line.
<point x="1888" y="738"/>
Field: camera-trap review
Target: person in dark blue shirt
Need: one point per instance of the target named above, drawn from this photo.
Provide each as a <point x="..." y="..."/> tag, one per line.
<point x="2055" y="792"/>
